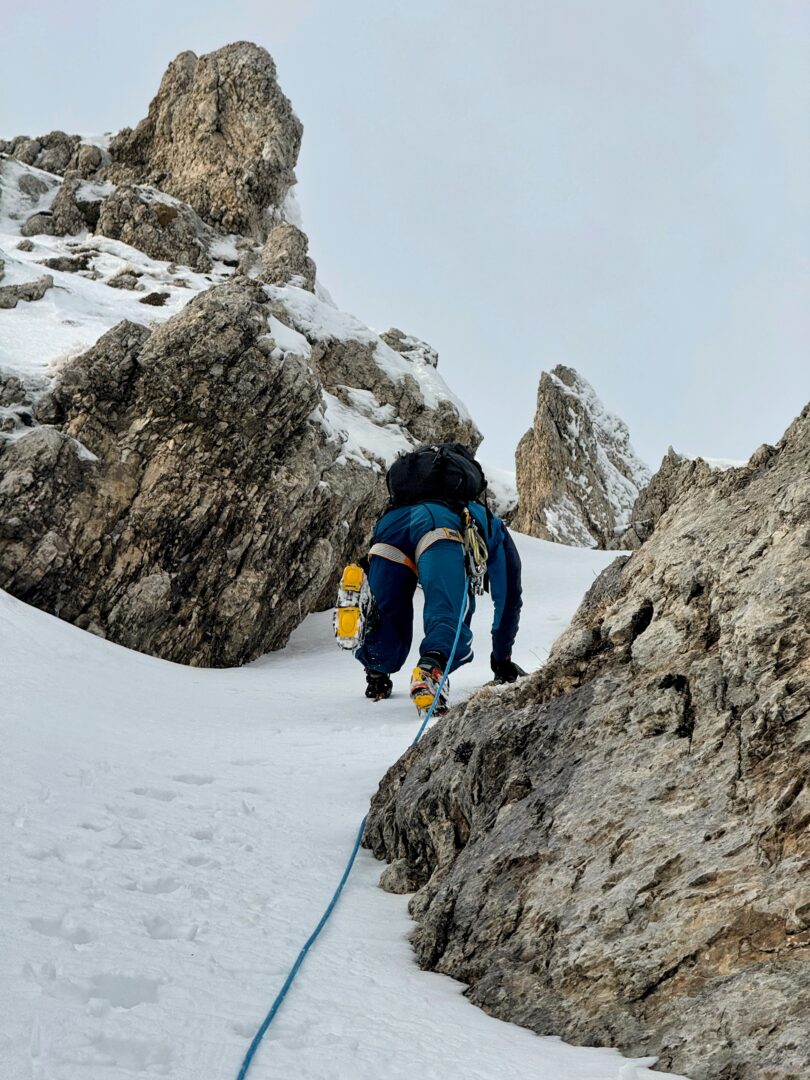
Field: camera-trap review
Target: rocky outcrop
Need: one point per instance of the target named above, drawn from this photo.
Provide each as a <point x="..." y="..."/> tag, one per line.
<point x="676" y="475"/>
<point x="64" y="216"/>
<point x="220" y="135"/>
<point x="617" y="849"/>
<point x="57" y="153"/>
<point x="577" y="474"/>
<point x="413" y="347"/>
<point x="190" y="491"/>
<point x="161" y="227"/>
<point x="348" y="356"/>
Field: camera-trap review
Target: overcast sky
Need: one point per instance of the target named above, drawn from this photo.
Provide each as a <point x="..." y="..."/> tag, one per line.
<point x="617" y="185"/>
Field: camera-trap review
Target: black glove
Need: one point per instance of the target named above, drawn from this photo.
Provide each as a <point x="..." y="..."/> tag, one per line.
<point x="506" y="670"/>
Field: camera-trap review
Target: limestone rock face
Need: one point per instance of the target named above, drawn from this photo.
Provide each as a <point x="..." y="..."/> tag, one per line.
<point x="617" y="849"/>
<point x="191" y="491"/>
<point x="220" y="135"/>
<point x="676" y="474"/>
<point x="577" y="474"/>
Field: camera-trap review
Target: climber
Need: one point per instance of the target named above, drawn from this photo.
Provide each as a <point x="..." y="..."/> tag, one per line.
<point x="433" y="531"/>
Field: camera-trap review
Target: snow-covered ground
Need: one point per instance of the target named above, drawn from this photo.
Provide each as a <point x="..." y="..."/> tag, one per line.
<point x="171" y="835"/>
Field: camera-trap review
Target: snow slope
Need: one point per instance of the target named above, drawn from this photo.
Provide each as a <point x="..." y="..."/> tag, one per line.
<point x="171" y="835"/>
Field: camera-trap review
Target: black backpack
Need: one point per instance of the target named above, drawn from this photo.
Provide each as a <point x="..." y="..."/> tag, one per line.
<point x="446" y="472"/>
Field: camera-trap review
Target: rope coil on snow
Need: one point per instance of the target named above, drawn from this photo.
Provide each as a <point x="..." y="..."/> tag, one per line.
<point x="279" y="999"/>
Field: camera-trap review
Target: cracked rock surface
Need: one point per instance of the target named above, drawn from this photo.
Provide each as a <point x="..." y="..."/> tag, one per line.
<point x="617" y="850"/>
<point x="181" y="491"/>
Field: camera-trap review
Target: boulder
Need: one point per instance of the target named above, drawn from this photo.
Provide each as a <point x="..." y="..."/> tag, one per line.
<point x="578" y="477"/>
<point x="10" y="295"/>
<point x="160" y="226"/>
<point x="285" y="259"/>
<point x="63" y="218"/>
<point x="617" y="849"/>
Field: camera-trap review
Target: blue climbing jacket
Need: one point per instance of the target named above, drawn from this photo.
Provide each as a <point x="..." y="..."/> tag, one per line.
<point x="441" y="573"/>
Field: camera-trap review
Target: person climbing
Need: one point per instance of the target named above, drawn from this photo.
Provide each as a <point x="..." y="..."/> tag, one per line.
<point x="436" y="532"/>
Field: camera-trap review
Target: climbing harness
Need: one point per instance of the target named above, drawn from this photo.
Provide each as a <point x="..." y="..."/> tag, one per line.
<point x="393" y="554"/>
<point x="433" y="537"/>
<point x="257" y="1038"/>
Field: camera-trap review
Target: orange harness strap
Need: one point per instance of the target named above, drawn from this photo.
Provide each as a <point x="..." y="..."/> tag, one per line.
<point x="393" y="554"/>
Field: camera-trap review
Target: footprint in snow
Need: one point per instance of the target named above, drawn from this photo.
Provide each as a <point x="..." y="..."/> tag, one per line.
<point x="136" y="1055"/>
<point x="135" y="812"/>
<point x="155" y="793"/>
<point x="35" y="851"/>
<point x="154" y="885"/>
<point x="109" y="988"/>
<point x="126" y="843"/>
<point x="167" y="930"/>
<point x="124" y="991"/>
<point x="94" y="826"/>
<point x="193" y="778"/>
<point x="202" y="860"/>
<point x="65" y="927"/>
<point x="243" y="1028"/>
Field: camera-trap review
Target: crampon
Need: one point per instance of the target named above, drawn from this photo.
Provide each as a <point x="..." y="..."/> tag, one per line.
<point x="425" y="680"/>
<point x="353" y="607"/>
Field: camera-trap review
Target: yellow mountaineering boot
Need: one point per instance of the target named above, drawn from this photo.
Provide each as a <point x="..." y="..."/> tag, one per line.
<point x="425" y="680"/>
<point x="352" y="608"/>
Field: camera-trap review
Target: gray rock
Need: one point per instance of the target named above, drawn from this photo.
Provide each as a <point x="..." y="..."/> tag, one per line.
<point x="68" y="263"/>
<point x="577" y="474"/>
<point x="56" y="153"/>
<point x="220" y="135"/>
<point x="617" y="850"/>
<point x="161" y="228"/>
<point x="412" y="347"/>
<point x="64" y="218"/>
<point x="675" y="476"/>
<point x="31" y="185"/>
<point x="155" y="299"/>
<point x="124" y="279"/>
<point x="284" y="258"/>
<point x="25" y="245"/>
<point x="206" y="510"/>
<point x="10" y="295"/>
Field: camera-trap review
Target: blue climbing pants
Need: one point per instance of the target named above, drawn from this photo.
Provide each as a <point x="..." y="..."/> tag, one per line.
<point x="441" y="574"/>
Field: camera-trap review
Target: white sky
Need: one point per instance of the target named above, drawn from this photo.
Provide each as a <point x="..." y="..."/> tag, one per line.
<point x="618" y="185"/>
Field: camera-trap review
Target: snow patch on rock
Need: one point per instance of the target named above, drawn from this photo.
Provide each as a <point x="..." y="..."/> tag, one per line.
<point x="578" y="475"/>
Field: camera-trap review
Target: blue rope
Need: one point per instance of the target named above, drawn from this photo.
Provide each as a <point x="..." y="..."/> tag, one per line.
<point x="268" y="1020"/>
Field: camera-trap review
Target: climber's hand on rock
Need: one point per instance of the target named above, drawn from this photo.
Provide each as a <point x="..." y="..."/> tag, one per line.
<point x="506" y="670"/>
